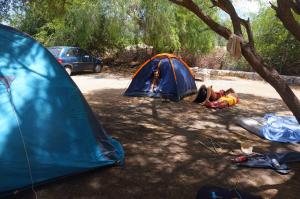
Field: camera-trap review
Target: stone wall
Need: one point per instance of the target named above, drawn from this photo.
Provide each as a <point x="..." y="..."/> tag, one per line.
<point x="208" y="73"/>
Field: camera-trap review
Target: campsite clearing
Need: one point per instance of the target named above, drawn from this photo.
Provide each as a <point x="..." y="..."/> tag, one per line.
<point x="172" y="149"/>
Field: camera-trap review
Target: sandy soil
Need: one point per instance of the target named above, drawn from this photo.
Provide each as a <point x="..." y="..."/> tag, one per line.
<point x="172" y="149"/>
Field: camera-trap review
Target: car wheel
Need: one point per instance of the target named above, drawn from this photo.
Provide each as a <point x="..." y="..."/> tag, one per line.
<point x="69" y="70"/>
<point x="98" y="68"/>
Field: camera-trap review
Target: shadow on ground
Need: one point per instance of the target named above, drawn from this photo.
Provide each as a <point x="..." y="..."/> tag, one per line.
<point x="172" y="149"/>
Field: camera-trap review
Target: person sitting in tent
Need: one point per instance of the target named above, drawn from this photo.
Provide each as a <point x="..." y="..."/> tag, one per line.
<point x="163" y="76"/>
<point x="211" y="99"/>
<point x="155" y="79"/>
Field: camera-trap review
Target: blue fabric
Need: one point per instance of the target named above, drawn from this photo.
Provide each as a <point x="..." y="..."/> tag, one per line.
<point x="281" y="128"/>
<point x="267" y="161"/>
<point x="41" y="103"/>
<point x="173" y="88"/>
<point x="186" y="84"/>
<point x="214" y="192"/>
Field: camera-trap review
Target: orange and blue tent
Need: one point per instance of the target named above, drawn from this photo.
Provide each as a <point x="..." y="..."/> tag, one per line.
<point x="163" y="76"/>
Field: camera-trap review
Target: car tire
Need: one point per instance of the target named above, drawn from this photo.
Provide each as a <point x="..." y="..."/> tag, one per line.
<point x="98" y="68"/>
<point x="68" y="70"/>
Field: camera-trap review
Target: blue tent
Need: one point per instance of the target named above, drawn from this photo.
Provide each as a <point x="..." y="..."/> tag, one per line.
<point x="47" y="128"/>
<point x="164" y="75"/>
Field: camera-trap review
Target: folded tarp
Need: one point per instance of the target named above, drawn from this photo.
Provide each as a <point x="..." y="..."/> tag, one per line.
<point x="272" y="127"/>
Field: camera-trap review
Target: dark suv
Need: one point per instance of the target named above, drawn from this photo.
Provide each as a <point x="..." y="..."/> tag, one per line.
<point x="75" y="59"/>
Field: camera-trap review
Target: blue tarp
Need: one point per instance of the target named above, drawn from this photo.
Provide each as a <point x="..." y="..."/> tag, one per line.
<point x="44" y="114"/>
<point x="173" y="83"/>
<point x="281" y="128"/>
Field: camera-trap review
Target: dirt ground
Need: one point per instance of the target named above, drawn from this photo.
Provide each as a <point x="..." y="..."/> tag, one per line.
<point x="170" y="146"/>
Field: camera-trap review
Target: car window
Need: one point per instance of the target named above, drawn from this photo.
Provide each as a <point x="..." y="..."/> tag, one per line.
<point x="84" y="52"/>
<point x="81" y="52"/>
<point x="55" y="51"/>
<point x="71" y="52"/>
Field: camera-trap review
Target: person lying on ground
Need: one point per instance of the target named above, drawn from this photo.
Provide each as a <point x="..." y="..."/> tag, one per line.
<point x="208" y="97"/>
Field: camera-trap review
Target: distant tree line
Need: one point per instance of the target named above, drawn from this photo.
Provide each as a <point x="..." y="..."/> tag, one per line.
<point x="101" y="25"/>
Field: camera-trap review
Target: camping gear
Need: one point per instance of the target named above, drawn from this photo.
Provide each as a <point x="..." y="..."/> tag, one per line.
<point x="214" y="192"/>
<point x="252" y="124"/>
<point x="272" y="127"/>
<point x="246" y="148"/>
<point x="240" y="159"/>
<point x="276" y="161"/>
<point x="47" y="128"/>
<point x="163" y="76"/>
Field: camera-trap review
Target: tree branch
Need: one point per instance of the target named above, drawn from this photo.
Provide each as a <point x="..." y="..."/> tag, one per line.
<point x="227" y="7"/>
<point x="296" y="6"/>
<point x="285" y="15"/>
<point x="257" y="63"/>
<point x="246" y="24"/>
<point x="217" y="3"/>
<point x="190" y="5"/>
<point x="178" y="2"/>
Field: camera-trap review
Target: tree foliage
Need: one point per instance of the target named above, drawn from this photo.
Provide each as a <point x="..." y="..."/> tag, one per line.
<point x="91" y="24"/>
<point x="101" y="25"/>
<point x="169" y="28"/>
<point x="160" y="28"/>
<point x="276" y="44"/>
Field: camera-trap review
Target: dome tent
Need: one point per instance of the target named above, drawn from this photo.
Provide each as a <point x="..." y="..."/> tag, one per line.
<point x="47" y="128"/>
<point x="164" y="75"/>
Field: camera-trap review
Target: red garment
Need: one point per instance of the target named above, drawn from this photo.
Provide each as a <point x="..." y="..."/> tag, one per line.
<point x="213" y="100"/>
<point x="217" y="104"/>
<point x="216" y="95"/>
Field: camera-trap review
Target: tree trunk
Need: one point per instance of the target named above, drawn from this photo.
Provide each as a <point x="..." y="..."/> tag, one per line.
<point x="248" y="50"/>
<point x="285" y="14"/>
<point x="274" y="79"/>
